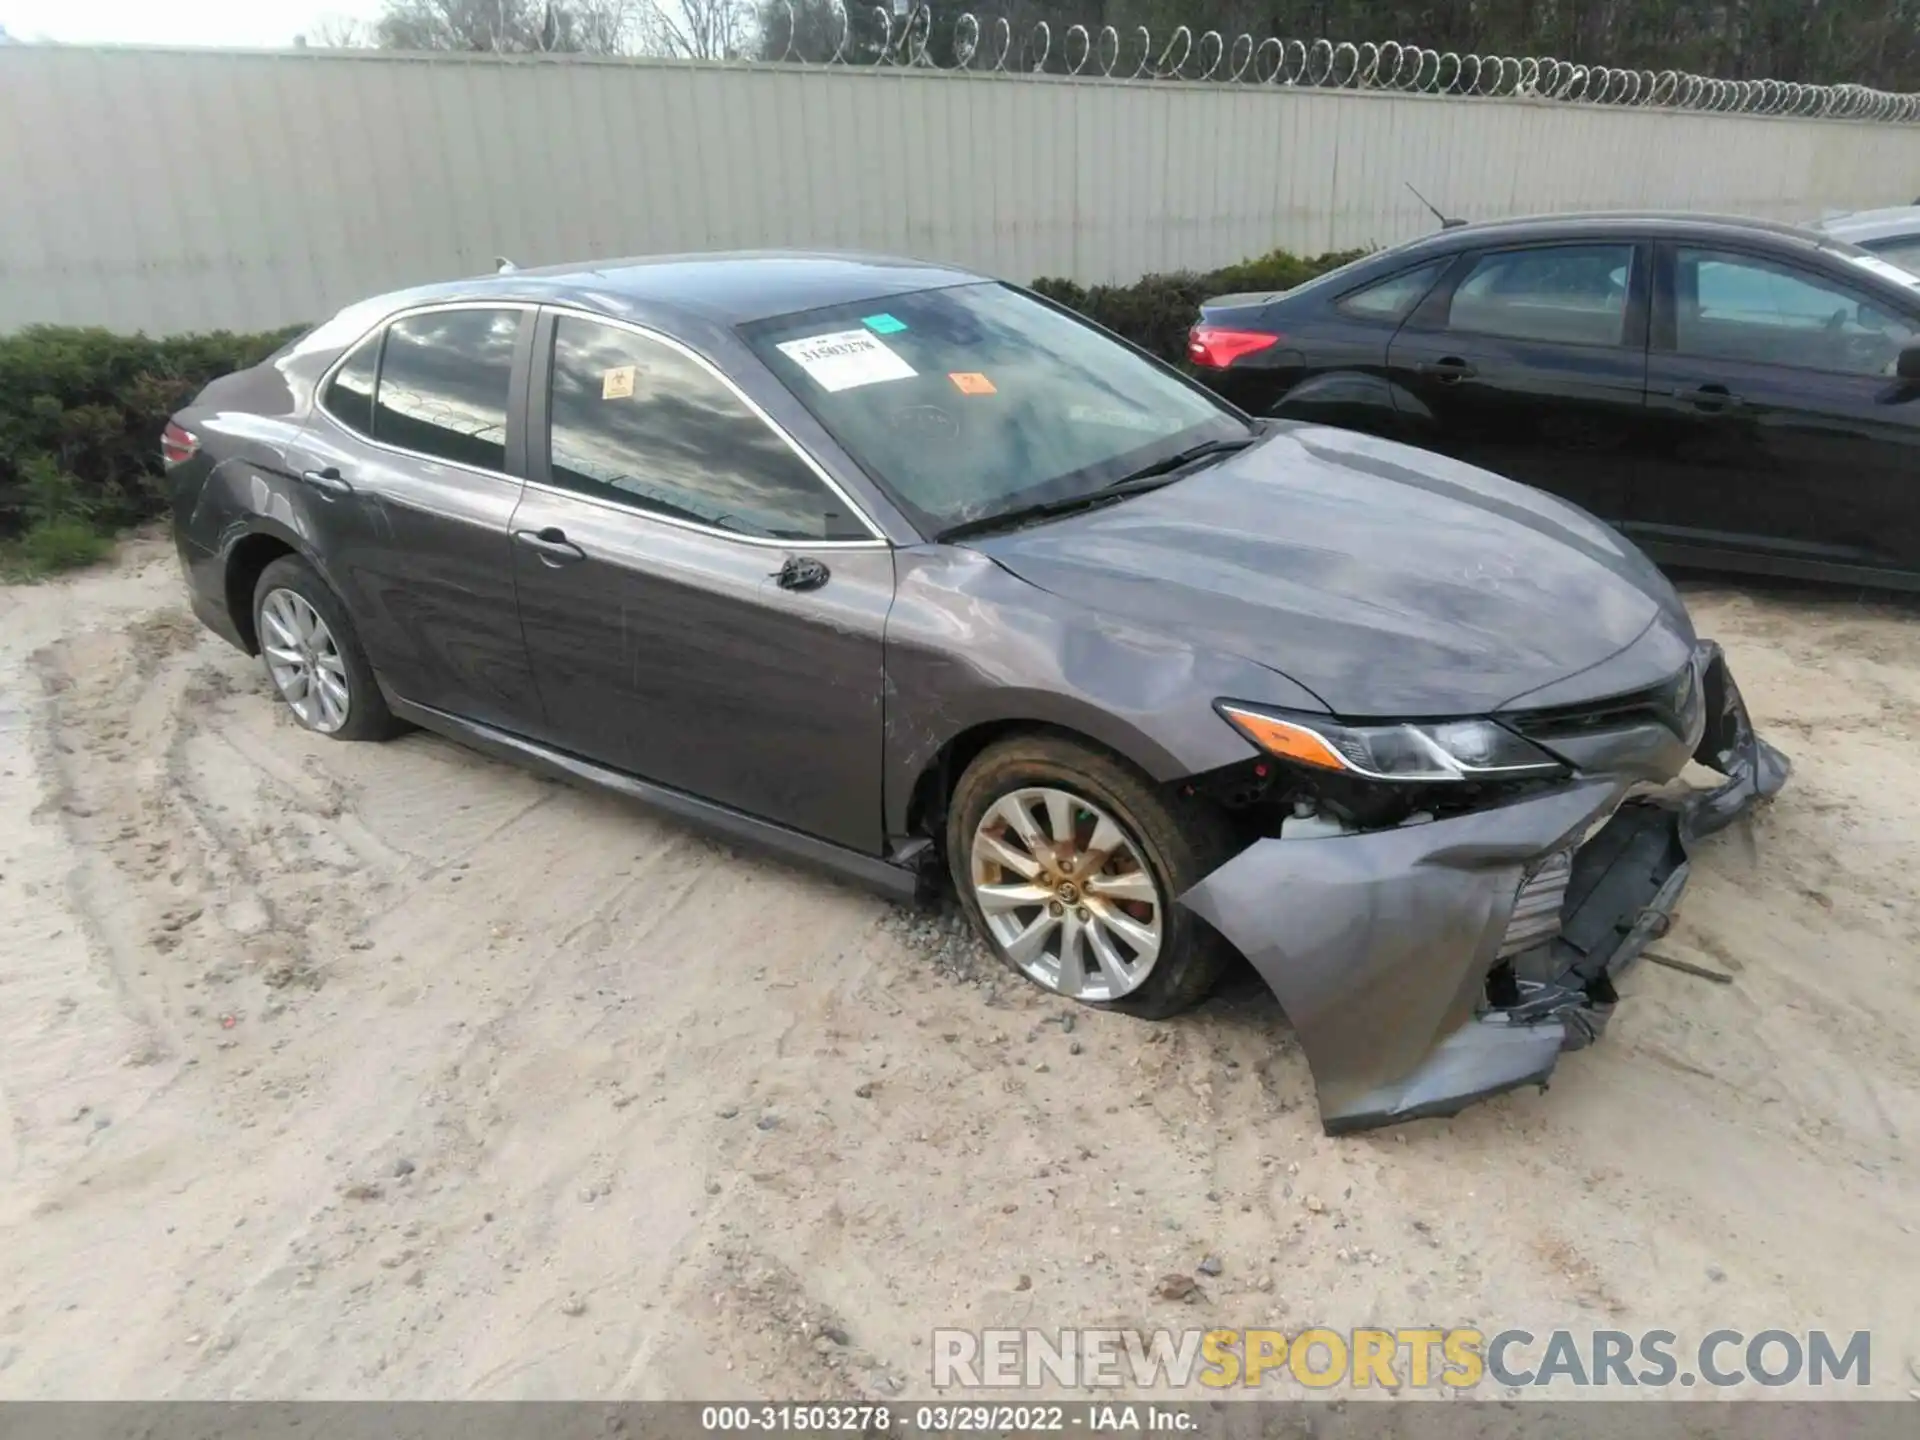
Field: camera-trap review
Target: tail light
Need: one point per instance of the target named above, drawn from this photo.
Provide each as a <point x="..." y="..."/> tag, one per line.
<point x="178" y="444"/>
<point x="1217" y="348"/>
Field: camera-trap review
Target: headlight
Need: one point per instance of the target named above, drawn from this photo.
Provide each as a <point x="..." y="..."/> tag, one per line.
<point x="1437" y="750"/>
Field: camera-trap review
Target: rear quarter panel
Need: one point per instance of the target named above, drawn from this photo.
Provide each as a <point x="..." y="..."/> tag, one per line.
<point x="1326" y="369"/>
<point x="245" y="479"/>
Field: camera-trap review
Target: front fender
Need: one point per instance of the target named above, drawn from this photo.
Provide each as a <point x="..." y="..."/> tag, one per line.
<point x="970" y="644"/>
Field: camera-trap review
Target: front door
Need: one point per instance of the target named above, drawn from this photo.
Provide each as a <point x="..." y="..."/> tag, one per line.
<point x="411" y="441"/>
<point x="1779" y="428"/>
<point x="1531" y="362"/>
<point x="702" y="608"/>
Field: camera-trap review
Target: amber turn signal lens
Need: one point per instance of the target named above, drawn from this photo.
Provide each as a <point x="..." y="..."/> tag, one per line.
<point x="1288" y="741"/>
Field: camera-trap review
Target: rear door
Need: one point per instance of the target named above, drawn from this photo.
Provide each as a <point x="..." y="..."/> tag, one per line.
<point x="703" y="607"/>
<point x="411" y="453"/>
<point x="1779" y="429"/>
<point x="1530" y="361"/>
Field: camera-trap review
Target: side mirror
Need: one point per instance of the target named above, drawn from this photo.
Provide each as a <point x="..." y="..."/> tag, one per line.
<point x="1908" y="365"/>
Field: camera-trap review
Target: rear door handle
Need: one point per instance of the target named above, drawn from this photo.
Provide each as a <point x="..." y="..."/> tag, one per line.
<point x="327" y="481"/>
<point x="551" y="545"/>
<point x="1707" y="397"/>
<point x="1446" y="370"/>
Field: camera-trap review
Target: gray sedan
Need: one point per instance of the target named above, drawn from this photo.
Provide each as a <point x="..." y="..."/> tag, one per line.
<point x="914" y="576"/>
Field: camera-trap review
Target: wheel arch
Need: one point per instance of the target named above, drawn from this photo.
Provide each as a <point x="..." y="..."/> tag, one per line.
<point x="925" y="796"/>
<point x="244" y="553"/>
<point x="1350" y="392"/>
<point x="247" y="555"/>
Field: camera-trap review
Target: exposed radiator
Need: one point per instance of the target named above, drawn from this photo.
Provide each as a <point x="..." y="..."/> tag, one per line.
<point x="1537" y="906"/>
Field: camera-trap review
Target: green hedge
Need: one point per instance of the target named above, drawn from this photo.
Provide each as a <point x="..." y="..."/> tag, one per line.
<point x="1156" y="311"/>
<point x="81" y="412"/>
<point x="81" y="409"/>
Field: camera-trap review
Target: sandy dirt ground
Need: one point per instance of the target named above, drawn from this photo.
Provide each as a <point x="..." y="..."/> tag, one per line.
<point x="389" y="1071"/>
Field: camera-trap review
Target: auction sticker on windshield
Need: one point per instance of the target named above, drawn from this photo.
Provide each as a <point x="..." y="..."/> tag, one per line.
<point x="846" y="359"/>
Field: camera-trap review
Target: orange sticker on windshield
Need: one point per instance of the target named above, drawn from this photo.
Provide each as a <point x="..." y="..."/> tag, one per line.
<point x="969" y="382"/>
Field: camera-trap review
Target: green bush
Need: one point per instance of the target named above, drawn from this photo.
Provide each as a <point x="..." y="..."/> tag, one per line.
<point x="49" y="545"/>
<point x="1156" y="311"/>
<point x="81" y="410"/>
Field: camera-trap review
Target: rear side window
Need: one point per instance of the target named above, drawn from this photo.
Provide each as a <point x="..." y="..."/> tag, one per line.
<point x="1393" y="297"/>
<point x="349" y="397"/>
<point x="1562" y="294"/>
<point x="639" y="422"/>
<point x="444" y="382"/>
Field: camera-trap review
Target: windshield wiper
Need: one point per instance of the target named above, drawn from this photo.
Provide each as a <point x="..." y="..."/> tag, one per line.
<point x="1205" y="450"/>
<point x="1042" y="509"/>
<point x="1147" y="477"/>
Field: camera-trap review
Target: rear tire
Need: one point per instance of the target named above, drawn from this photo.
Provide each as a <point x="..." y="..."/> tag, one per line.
<point x="313" y="657"/>
<point x="1096" y="922"/>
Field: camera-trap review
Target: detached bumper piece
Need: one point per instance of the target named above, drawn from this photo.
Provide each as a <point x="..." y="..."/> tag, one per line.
<point x="1432" y="965"/>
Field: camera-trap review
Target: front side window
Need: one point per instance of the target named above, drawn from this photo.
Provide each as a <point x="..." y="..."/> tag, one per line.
<point x="975" y="400"/>
<point x="637" y="421"/>
<point x="444" y="382"/>
<point x="1738" y="307"/>
<point x="1393" y="297"/>
<point x="1562" y="294"/>
<point x="349" y="395"/>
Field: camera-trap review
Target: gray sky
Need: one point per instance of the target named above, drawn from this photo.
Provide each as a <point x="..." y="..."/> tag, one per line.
<point x="182" y="22"/>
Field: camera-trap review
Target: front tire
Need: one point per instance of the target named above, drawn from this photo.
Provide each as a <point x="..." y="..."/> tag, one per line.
<point x="1069" y="863"/>
<point x="313" y="657"/>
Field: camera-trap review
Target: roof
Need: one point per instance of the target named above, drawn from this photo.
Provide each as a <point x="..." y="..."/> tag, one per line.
<point x="722" y="288"/>
<point x="1640" y="222"/>
<point x="1862" y="225"/>
<point x="1594" y="224"/>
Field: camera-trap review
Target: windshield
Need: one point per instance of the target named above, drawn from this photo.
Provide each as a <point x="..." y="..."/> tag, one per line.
<point x="977" y="400"/>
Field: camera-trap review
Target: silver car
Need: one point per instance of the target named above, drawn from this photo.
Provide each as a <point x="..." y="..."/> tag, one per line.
<point x="1892" y="234"/>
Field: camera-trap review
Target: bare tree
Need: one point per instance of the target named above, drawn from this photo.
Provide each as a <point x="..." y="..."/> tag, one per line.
<point x="339" y="32"/>
<point x="597" y="27"/>
<point x="700" y="29"/>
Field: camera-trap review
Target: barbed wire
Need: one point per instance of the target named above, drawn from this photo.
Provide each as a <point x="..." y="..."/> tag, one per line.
<point x="1108" y="52"/>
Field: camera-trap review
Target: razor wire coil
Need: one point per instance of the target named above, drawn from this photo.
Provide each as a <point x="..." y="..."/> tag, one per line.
<point x="1244" y="59"/>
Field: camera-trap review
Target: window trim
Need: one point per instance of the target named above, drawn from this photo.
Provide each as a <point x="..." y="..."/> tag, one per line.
<point x="1440" y="264"/>
<point x="1663" y="337"/>
<point x="539" y="439"/>
<point x="521" y="341"/>
<point x="339" y="363"/>
<point x="1634" y="321"/>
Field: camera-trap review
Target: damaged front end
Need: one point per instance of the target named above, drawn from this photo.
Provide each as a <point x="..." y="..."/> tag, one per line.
<point x="1448" y="956"/>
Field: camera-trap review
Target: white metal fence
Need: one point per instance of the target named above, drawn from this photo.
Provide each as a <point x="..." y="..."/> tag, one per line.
<point x="183" y="190"/>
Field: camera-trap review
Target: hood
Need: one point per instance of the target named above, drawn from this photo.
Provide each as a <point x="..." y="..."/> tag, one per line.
<point x="1386" y="580"/>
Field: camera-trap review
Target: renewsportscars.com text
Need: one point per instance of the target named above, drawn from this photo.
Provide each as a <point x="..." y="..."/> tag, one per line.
<point x="1457" y="1359"/>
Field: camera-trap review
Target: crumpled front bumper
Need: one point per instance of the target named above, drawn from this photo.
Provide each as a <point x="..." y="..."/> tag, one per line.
<point x="1379" y="945"/>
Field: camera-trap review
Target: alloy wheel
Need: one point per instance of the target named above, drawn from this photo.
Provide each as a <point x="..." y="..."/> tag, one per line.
<point x="1066" y="893"/>
<point x="304" y="661"/>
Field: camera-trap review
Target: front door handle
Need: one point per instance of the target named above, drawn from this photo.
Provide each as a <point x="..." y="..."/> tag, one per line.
<point x="1708" y="397"/>
<point x="802" y="572"/>
<point x="328" y="481"/>
<point x="1448" y="369"/>
<point x="551" y="545"/>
